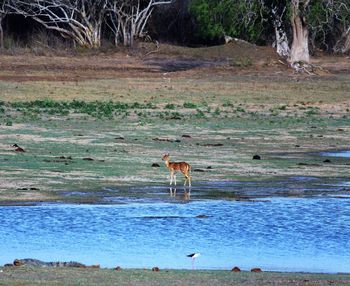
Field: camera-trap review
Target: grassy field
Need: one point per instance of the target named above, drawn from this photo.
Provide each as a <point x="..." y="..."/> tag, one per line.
<point x="67" y="276"/>
<point x="108" y="132"/>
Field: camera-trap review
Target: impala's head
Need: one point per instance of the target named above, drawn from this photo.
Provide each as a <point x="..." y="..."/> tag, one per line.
<point x="166" y="157"/>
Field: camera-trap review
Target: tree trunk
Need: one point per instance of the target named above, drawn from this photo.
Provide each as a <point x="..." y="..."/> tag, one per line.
<point x="1" y="32"/>
<point x="343" y="45"/>
<point x="346" y="48"/>
<point x="300" y="45"/>
<point x="281" y="44"/>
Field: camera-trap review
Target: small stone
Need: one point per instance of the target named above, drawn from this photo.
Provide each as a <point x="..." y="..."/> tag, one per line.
<point x="256" y="270"/>
<point x="88" y="159"/>
<point x="186" y="136"/>
<point x="327" y="161"/>
<point x="199" y="170"/>
<point x="256" y="157"/>
<point x="236" y="269"/>
<point x="155" y="165"/>
<point x="202" y="216"/>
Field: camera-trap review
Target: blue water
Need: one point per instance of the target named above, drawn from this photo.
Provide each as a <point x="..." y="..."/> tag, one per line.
<point x="342" y="154"/>
<point x="277" y="234"/>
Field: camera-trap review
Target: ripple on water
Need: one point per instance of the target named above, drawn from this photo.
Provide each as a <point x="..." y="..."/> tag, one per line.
<point x="279" y="234"/>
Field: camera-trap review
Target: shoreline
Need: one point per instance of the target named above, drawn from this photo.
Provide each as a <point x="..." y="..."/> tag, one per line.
<point x="143" y="277"/>
<point x="236" y="269"/>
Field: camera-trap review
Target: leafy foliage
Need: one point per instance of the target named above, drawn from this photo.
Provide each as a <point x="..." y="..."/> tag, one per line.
<point x="243" y="19"/>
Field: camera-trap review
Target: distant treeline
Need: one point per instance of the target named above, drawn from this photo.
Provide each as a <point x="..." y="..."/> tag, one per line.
<point x="294" y="27"/>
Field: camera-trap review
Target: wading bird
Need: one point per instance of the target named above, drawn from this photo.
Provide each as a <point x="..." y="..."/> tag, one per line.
<point x="193" y="256"/>
<point x="174" y="167"/>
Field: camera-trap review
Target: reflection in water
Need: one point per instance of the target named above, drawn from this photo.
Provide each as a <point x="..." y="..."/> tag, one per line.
<point x="186" y="193"/>
<point x="285" y="234"/>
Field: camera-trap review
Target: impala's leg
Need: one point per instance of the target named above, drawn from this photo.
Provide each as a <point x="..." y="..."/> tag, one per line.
<point x="171" y="178"/>
<point x="175" y="179"/>
<point x="172" y="192"/>
<point x="188" y="179"/>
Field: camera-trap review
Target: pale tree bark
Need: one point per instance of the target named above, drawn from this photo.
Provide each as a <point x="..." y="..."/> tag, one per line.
<point x="281" y="43"/>
<point x="343" y="45"/>
<point x="2" y="16"/>
<point x="79" y="20"/>
<point x="128" y="18"/>
<point x="1" y="32"/>
<point x="300" y="44"/>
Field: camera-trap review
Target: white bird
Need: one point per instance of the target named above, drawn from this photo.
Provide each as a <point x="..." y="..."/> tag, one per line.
<point x="193" y="256"/>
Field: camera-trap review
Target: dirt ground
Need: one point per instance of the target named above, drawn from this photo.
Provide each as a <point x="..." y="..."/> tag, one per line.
<point x="147" y="61"/>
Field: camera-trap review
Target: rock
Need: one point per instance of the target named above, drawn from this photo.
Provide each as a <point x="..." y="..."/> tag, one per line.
<point x="256" y="157"/>
<point x="211" y="145"/>
<point x="202" y="216"/>
<point x="166" y="140"/>
<point x="236" y="269"/>
<point x="88" y="159"/>
<point x="209" y="167"/>
<point x="155" y="269"/>
<point x="8" y="265"/>
<point x="119" y="138"/>
<point x="186" y="136"/>
<point x="118" y="268"/>
<point x="155" y="165"/>
<point x="199" y="170"/>
<point x="327" y="161"/>
<point x="256" y="270"/>
<point x="65" y="158"/>
<point x="297" y="146"/>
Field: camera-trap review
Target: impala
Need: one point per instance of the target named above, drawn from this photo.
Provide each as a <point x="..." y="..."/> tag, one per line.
<point x="174" y="167"/>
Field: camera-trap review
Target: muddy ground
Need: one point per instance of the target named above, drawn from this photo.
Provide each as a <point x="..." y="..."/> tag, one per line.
<point x="93" y="122"/>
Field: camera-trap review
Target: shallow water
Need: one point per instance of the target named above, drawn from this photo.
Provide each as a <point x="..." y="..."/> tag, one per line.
<point x="287" y="234"/>
<point x="341" y="154"/>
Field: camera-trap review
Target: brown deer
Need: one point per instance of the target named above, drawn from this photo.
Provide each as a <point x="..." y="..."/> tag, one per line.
<point x="174" y="167"/>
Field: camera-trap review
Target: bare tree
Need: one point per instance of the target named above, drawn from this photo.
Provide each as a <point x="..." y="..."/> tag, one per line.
<point x="342" y="13"/>
<point x="128" y="18"/>
<point x="343" y="44"/>
<point x="80" y="20"/>
<point x="300" y="45"/>
<point x="3" y="13"/>
<point x="281" y="43"/>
